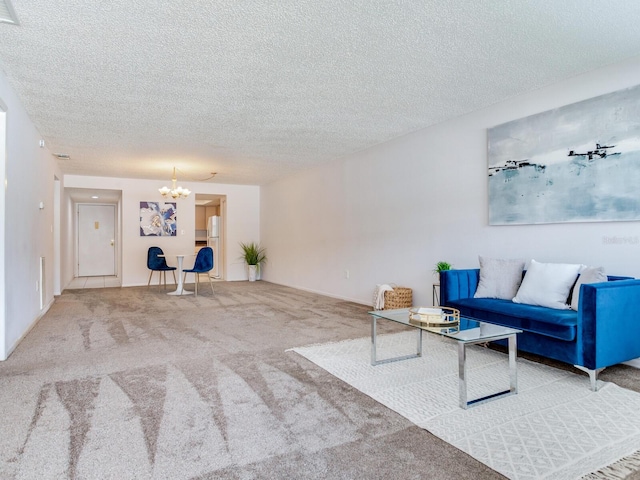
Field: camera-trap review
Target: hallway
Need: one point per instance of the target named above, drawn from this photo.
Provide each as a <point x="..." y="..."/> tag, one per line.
<point x="94" y="282"/>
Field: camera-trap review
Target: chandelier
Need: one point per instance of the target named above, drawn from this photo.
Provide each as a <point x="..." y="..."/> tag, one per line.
<point x="174" y="191"/>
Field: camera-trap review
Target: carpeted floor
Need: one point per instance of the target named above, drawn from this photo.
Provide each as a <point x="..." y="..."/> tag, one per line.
<point x="134" y="384"/>
<point x="554" y="428"/>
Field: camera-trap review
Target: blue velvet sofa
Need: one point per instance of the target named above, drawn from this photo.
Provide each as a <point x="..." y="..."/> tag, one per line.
<point x="604" y="331"/>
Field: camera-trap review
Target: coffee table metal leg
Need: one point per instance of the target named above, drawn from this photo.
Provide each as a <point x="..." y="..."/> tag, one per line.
<point x="462" y="374"/>
<point x="374" y="352"/>
<point x="374" y="361"/>
<point x="513" y="367"/>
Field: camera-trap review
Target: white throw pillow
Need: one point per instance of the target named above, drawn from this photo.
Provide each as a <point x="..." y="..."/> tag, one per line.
<point x="499" y="278"/>
<point x="587" y="275"/>
<point x="547" y="284"/>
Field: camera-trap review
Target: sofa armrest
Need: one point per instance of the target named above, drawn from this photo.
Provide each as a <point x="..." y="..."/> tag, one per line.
<point x="609" y="323"/>
<point x="456" y="284"/>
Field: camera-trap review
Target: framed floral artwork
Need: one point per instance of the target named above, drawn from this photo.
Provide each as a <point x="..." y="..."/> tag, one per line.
<point x="158" y="219"/>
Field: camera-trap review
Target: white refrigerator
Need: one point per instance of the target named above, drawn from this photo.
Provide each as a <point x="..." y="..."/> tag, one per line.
<point x="213" y="240"/>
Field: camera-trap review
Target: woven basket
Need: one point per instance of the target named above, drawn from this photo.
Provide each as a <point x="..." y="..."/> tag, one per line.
<point x="400" y="297"/>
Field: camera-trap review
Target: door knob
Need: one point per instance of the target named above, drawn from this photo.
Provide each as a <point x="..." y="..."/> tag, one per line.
<point x="112" y="242"/>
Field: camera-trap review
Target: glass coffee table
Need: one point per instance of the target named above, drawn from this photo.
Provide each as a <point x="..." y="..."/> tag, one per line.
<point x="466" y="331"/>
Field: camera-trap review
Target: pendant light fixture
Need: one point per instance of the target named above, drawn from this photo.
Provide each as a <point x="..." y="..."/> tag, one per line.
<point x="174" y="191"/>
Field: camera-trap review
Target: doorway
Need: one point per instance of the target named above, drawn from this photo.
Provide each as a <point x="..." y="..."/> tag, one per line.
<point x="96" y="240"/>
<point x="210" y="229"/>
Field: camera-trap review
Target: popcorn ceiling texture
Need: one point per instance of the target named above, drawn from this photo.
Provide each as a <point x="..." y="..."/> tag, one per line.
<point x="257" y="90"/>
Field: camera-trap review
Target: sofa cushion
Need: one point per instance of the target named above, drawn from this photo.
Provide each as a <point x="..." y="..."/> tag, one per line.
<point x="548" y="284"/>
<point x="499" y="278"/>
<point x="587" y="275"/>
<point x="560" y="324"/>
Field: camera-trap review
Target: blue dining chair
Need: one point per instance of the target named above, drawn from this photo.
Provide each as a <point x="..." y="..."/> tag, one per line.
<point x="203" y="264"/>
<point x="155" y="263"/>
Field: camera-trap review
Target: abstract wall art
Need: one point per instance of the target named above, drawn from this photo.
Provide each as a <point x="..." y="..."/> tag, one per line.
<point x="577" y="163"/>
<point x="158" y="219"/>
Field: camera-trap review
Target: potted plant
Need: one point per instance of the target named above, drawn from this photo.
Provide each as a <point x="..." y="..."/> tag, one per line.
<point x="253" y="255"/>
<point x="441" y="267"/>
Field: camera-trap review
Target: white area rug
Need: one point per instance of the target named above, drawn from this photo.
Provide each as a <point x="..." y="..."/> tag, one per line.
<point x="554" y="428"/>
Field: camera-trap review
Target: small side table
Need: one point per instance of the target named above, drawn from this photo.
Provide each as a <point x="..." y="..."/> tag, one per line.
<point x="180" y="287"/>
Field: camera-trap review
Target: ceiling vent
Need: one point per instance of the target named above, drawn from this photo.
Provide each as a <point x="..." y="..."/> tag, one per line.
<point x="7" y="13"/>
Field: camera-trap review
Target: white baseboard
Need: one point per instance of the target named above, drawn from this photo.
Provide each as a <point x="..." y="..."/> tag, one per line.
<point x="319" y="292"/>
<point x="633" y="363"/>
<point x="26" y="332"/>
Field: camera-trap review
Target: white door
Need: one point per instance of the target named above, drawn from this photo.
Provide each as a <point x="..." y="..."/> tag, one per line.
<point x="96" y="240"/>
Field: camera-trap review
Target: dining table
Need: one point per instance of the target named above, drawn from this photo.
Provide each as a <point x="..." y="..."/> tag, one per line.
<point x="180" y="259"/>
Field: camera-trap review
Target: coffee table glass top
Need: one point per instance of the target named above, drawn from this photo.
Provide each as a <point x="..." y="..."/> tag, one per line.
<point x="467" y="330"/>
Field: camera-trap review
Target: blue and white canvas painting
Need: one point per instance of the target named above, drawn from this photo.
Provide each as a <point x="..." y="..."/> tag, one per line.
<point x="577" y="163"/>
<point x="158" y="219"/>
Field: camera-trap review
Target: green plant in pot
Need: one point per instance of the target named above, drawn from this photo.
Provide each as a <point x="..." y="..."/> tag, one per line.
<point x="253" y="255"/>
<point x="441" y="267"/>
<point x="437" y="270"/>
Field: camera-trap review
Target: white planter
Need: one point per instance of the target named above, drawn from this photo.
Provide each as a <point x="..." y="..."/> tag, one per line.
<point x="253" y="273"/>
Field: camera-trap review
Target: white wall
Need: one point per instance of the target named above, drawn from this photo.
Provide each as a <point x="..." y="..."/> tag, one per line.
<point x="66" y="239"/>
<point x="30" y="172"/>
<point x="390" y="213"/>
<point x="243" y="223"/>
<point x="3" y="163"/>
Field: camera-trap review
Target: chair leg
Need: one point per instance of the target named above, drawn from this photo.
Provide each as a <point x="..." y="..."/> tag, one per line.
<point x="164" y="275"/>
<point x="174" y="276"/>
<point x="211" y="283"/>
<point x="197" y="282"/>
<point x="184" y="279"/>
<point x="150" y="275"/>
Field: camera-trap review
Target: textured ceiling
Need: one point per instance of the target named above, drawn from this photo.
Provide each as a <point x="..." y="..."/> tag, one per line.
<point x="255" y="90"/>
